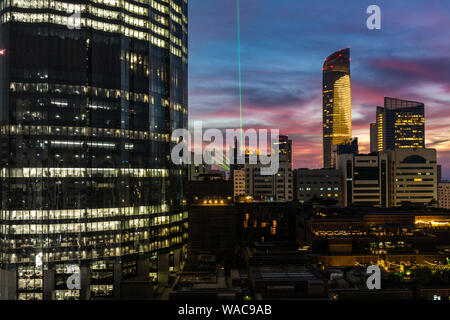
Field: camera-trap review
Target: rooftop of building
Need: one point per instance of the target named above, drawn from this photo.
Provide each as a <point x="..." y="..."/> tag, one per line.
<point x="282" y="274"/>
<point x="338" y="212"/>
<point x="197" y="282"/>
<point x="395" y="103"/>
<point x="308" y="170"/>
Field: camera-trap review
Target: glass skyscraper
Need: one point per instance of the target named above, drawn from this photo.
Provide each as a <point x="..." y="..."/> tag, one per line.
<point x="337" y="104"/>
<point x="90" y="93"/>
<point x="400" y="125"/>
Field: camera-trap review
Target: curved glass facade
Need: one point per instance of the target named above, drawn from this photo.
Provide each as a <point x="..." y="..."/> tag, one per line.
<point x="90" y="94"/>
<point x="337" y="104"/>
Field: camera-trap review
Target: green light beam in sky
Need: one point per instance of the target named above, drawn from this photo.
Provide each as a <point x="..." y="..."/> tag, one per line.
<point x="239" y="65"/>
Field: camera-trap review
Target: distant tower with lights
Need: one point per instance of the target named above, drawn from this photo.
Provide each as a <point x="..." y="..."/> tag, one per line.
<point x="400" y="125"/>
<point x="337" y="103"/>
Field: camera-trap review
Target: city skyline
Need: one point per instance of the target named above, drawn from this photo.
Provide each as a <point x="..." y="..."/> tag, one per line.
<point x="400" y="60"/>
<point x="109" y="191"/>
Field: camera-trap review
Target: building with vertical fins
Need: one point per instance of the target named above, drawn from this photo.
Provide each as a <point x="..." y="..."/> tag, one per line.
<point x="337" y="104"/>
<point x="400" y="125"/>
<point x="90" y="94"/>
<point x="365" y="179"/>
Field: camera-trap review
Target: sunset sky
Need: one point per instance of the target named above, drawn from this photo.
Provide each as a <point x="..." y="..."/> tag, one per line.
<point x="283" y="46"/>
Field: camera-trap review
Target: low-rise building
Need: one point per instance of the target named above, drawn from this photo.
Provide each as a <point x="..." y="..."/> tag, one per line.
<point x="239" y="183"/>
<point x="212" y="217"/>
<point x="444" y="195"/>
<point x="267" y="222"/>
<point x="285" y="281"/>
<point x="278" y="187"/>
<point x="267" y="188"/>
<point x="317" y="184"/>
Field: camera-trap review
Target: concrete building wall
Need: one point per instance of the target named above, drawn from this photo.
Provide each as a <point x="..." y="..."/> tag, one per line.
<point x="364" y="179"/>
<point x="444" y="195"/>
<point x="163" y="269"/>
<point x="317" y="183"/>
<point x="239" y="183"/>
<point x="278" y="187"/>
<point x="413" y="176"/>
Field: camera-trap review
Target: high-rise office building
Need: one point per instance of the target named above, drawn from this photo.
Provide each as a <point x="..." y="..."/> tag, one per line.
<point x="337" y="103"/>
<point x="400" y="125"/>
<point x="88" y="103"/>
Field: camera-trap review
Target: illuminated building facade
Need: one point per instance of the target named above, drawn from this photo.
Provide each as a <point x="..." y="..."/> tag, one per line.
<point x="90" y="93"/>
<point x="337" y="104"/>
<point x="389" y="179"/>
<point x="379" y="129"/>
<point x="413" y="177"/>
<point x="400" y="125"/>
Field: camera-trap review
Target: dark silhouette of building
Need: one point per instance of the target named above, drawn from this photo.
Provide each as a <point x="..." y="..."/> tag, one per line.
<point x="349" y="147"/>
<point x="212" y="217"/>
<point x="267" y="222"/>
<point x="373" y="137"/>
<point x="362" y="236"/>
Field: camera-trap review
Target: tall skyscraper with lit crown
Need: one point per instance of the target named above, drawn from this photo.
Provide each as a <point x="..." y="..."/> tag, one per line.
<point x="337" y="103"/>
